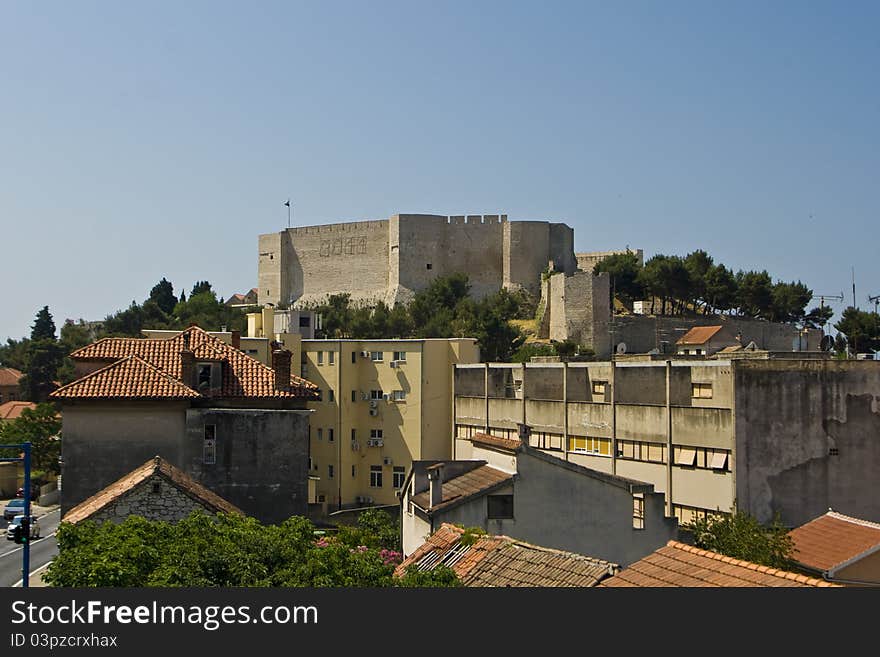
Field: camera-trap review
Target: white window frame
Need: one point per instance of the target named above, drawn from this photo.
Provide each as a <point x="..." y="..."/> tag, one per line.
<point x="376" y="476"/>
<point x="377" y="356"/>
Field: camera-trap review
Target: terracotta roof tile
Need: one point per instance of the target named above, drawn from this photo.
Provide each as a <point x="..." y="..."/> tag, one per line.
<point x="833" y="539"/>
<point x="155" y="466"/>
<point x="699" y="335"/>
<point x="243" y="377"/>
<point x="12" y="409"/>
<point x="464" y="486"/>
<point x="677" y="564"/>
<point x="495" y="441"/>
<point x="129" y="378"/>
<point x="501" y="561"/>
<point x="9" y="376"/>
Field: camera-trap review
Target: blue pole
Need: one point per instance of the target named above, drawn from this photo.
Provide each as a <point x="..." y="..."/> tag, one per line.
<point x="26" y="549"/>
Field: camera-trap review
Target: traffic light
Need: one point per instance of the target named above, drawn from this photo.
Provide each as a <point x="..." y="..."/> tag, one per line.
<point x="25" y="530"/>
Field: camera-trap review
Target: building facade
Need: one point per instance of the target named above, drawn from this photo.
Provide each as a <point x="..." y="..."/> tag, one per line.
<point x="390" y="259"/>
<point x="789" y="435"/>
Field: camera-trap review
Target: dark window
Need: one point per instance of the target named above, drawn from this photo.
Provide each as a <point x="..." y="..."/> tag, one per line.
<point x="354" y="357"/>
<point x="204" y="380"/>
<point x="330" y="471"/>
<point x="157" y="488"/>
<point x="330" y="435"/>
<point x="209" y="449"/>
<point x="354" y="395"/>
<point x="428" y="266"/>
<point x="305" y="322"/>
<point x="500" y="506"/>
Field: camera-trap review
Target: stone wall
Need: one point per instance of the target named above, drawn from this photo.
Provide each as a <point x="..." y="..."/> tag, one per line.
<point x="578" y="307"/>
<point x="168" y="503"/>
<point x="586" y="261"/>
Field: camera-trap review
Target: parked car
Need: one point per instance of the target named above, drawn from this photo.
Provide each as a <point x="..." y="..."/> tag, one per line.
<point x="13" y="508"/>
<point x="16" y="521"/>
<point x="35" y="493"/>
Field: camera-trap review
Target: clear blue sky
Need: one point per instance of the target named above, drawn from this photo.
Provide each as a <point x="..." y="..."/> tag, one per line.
<point x="142" y="140"/>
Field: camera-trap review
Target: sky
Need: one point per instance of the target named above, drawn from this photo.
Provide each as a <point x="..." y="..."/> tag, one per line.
<point x="148" y="140"/>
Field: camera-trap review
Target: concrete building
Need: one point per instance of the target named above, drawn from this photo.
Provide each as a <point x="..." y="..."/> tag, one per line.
<point x="156" y="491"/>
<point x="390" y="259"/>
<point x="839" y="549"/>
<point x="236" y="426"/>
<point x="501" y="562"/>
<point x="788" y="435"/>
<point x="506" y="487"/>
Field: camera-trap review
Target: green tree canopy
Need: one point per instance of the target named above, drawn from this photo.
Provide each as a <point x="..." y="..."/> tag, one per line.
<point x="44" y="326"/>
<point x="624" y="269"/>
<point x="754" y="293"/>
<point x="741" y="536"/>
<point x="163" y="294"/>
<point x="41" y="426"/>
<point x="862" y="330"/>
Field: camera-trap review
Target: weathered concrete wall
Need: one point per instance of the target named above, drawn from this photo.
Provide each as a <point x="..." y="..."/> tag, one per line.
<point x="642" y="333"/>
<point x="790" y="416"/>
<point x="262" y="459"/>
<point x="168" y="503"/>
<point x="103" y="442"/>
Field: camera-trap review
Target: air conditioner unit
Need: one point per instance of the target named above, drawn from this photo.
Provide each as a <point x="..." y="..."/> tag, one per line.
<point x="365" y="354"/>
<point x="374" y="442"/>
<point x="373" y="403"/>
<point x="386" y="396"/>
<point x="387" y="461"/>
<point x="393" y="363"/>
<point x="365" y="396"/>
<point x="360" y="499"/>
<point x="355" y="446"/>
<point x="374" y="412"/>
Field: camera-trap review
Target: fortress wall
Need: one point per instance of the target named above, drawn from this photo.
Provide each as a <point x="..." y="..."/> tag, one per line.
<point x="469" y="244"/>
<point x="272" y="274"/>
<point x="562" y="248"/>
<point x="579" y="307"/>
<point x="351" y="257"/>
<point x="586" y="261"/>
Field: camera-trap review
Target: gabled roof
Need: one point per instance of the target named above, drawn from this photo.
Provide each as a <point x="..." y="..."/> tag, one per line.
<point x="677" y="564"/>
<point x="244" y="377"/>
<point x="495" y="441"/>
<point x="478" y="481"/>
<point x="9" y="376"/>
<point x="699" y="335"/>
<point x="12" y="409"/>
<point x="155" y="466"/>
<point x="129" y="378"/>
<point x="501" y="561"/>
<point x="833" y="541"/>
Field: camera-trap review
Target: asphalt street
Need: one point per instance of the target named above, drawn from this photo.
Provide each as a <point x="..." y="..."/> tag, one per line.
<point x="43" y="549"/>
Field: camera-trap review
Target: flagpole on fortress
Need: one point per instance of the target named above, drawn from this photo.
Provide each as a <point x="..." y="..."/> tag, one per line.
<point x="287" y="203"/>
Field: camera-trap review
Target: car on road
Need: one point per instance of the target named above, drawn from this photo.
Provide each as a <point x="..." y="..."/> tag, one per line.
<point x="13" y="508"/>
<point x="16" y="521"/>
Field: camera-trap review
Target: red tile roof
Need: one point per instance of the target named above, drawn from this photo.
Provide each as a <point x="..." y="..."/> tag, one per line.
<point x="129" y="378"/>
<point x="834" y="539"/>
<point x="467" y="485"/>
<point x="155" y="466"/>
<point x="495" y="441"/>
<point x="12" y="409"/>
<point x="244" y="377"/>
<point x="9" y="376"/>
<point x="501" y="561"/>
<point x="677" y="564"/>
<point x="699" y="335"/>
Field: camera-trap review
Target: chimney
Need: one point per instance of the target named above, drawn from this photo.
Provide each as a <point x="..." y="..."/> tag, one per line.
<point x="236" y="339"/>
<point x="435" y="484"/>
<point x="187" y="365"/>
<point x="281" y="365"/>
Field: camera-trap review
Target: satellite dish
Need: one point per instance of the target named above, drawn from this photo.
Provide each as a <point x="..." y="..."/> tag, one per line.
<point x="621" y="348"/>
<point x="827" y="343"/>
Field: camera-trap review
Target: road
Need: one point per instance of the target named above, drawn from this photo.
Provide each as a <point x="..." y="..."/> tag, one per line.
<point x="43" y="549"/>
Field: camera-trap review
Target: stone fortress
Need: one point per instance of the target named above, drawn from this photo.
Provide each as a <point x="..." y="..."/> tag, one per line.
<point x="390" y="259"/>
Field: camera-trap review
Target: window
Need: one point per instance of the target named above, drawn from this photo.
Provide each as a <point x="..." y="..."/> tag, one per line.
<point x="331" y="357"/>
<point x="638" y="510"/>
<point x="353" y="471"/>
<point x="701" y="390"/>
<point x="719" y="461"/>
<point x="203" y="380"/>
<point x="305" y="321"/>
<point x="428" y="266"/>
<point x="156" y="487"/>
<point x="832" y="451"/>
<point x="329" y="435"/>
<point x="375" y="356"/>
<point x="312" y="464"/>
<point x="376" y="394"/>
<point x="209" y="448"/>
<point x="589" y="445"/>
<point x="354" y="395"/>
<point x="599" y="387"/>
<point x="353" y="435"/>
<point x="376" y="433"/>
<point x="399" y="395"/>
<point x="500" y="507"/>
<point x="375" y="476"/>
<point x="331" y="396"/>
<point x="685" y="456"/>
<point x="320" y="358"/>
<point x="330" y="471"/>
<point x="399" y="476"/>
<point x="320" y="434"/>
<point x="354" y="357"/>
<point x="400" y="355"/>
